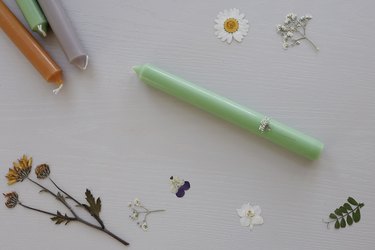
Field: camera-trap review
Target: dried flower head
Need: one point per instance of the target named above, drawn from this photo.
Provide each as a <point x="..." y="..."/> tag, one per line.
<point x="293" y="30"/>
<point x="231" y="24"/>
<point x="42" y="171"/>
<point x="21" y="170"/>
<point x="12" y="199"/>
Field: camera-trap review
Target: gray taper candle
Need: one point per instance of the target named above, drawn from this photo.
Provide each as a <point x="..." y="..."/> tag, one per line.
<point x="65" y="33"/>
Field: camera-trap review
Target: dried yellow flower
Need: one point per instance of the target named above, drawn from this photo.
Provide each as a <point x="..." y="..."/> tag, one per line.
<point x="20" y="171"/>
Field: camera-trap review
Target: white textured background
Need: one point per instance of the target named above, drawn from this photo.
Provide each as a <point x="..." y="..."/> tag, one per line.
<point x="108" y="131"/>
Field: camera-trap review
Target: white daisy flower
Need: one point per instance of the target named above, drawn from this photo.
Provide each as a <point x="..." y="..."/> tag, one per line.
<point x="231" y="24"/>
<point x="250" y="215"/>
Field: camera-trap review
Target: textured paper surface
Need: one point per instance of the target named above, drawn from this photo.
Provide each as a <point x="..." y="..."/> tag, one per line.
<point x="111" y="133"/>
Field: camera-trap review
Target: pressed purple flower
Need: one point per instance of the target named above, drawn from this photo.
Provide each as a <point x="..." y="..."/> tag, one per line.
<point x="179" y="186"/>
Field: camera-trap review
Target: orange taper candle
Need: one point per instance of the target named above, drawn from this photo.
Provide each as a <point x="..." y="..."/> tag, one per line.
<point x="30" y="47"/>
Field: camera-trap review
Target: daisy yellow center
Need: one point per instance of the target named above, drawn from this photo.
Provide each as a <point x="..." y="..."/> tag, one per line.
<point x="250" y="213"/>
<point x="231" y="25"/>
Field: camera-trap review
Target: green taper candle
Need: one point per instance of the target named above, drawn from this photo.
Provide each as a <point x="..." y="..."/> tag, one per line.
<point x="34" y="16"/>
<point x="228" y="110"/>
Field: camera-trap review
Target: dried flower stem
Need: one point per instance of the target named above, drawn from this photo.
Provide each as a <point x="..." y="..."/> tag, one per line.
<point x="77" y="202"/>
<point x="41" y="211"/>
<point x="147" y="212"/>
<point x="75" y="216"/>
<point x="304" y="37"/>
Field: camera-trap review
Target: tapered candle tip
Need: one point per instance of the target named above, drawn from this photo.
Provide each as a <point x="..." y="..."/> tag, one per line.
<point x="81" y="62"/>
<point x="137" y="69"/>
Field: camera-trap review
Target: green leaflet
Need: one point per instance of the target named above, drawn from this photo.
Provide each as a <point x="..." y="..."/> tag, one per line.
<point x="60" y="218"/>
<point x="93" y="207"/>
<point x="346" y="214"/>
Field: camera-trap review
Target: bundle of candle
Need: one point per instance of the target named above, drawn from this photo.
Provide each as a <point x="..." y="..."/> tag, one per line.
<point x="37" y="13"/>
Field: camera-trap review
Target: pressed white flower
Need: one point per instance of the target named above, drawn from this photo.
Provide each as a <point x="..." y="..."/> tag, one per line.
<point x="139" y="213"/>
<point x="144" y="226"/>
<point x="293" y="31"/>
<point x="250" y="215"/>
<point x="137" y="202"/>
<point x="231" y="24"/>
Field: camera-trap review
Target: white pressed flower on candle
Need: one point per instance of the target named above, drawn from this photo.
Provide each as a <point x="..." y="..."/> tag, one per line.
<point x="231" y="24"/>
<point x="250" y="215"/>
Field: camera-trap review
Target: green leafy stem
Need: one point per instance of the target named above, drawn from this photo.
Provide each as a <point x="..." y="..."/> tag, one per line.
<point x="346" y="214"/>
<point x="93" y="207"/>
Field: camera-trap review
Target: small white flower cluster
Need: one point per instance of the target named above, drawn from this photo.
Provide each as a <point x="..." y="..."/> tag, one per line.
<point x="135" y="206"/>
<point x="137" y="209"/>
<point x="293" y="30"/>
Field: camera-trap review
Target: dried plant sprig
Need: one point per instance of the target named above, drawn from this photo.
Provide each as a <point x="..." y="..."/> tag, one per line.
<point x="137" y="210"/>
<point x="346" y="214"/>
<point x="21" y="171"/>
<point x="293" y="30"/>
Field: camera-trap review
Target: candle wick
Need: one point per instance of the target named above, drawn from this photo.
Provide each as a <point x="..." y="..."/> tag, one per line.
<point x="56" y="91"/>
<point x="42" y="32"/>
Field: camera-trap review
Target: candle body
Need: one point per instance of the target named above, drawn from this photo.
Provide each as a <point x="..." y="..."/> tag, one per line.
<point x="27" y="44"/>
<point x="64" y="31"/>
<point x="250" y="120"/>
<point x="34" y="16"/>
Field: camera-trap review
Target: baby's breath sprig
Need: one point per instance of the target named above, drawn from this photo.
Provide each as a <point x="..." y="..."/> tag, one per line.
<point x="137" y="210"/>
<point x="20" y="172"/>
<point x="346" y="214"/>
<point x="293" y="30"/>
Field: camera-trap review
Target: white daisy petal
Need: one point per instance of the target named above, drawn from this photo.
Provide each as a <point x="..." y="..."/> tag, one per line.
<point x="223" y="34"/>
<point x="238" y="36"/>
<point x="229" y="38"/>
<point x="224" y="37"/>
<point x="245" y="222"/>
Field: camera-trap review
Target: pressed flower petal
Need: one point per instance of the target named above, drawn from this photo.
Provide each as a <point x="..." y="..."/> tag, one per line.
<point x="257" y="220"/>
<point x="180" y="193"/>
<point x="186" y="186"/>
<point x="224" y="37"/>
<point x="241" y="212"/>
<point x="257" y="210"/>
<point x="245" y="222"/>
<point x="238" y="36"/>
<point x="246" y="206"/>
<point x="229" y="38"/>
